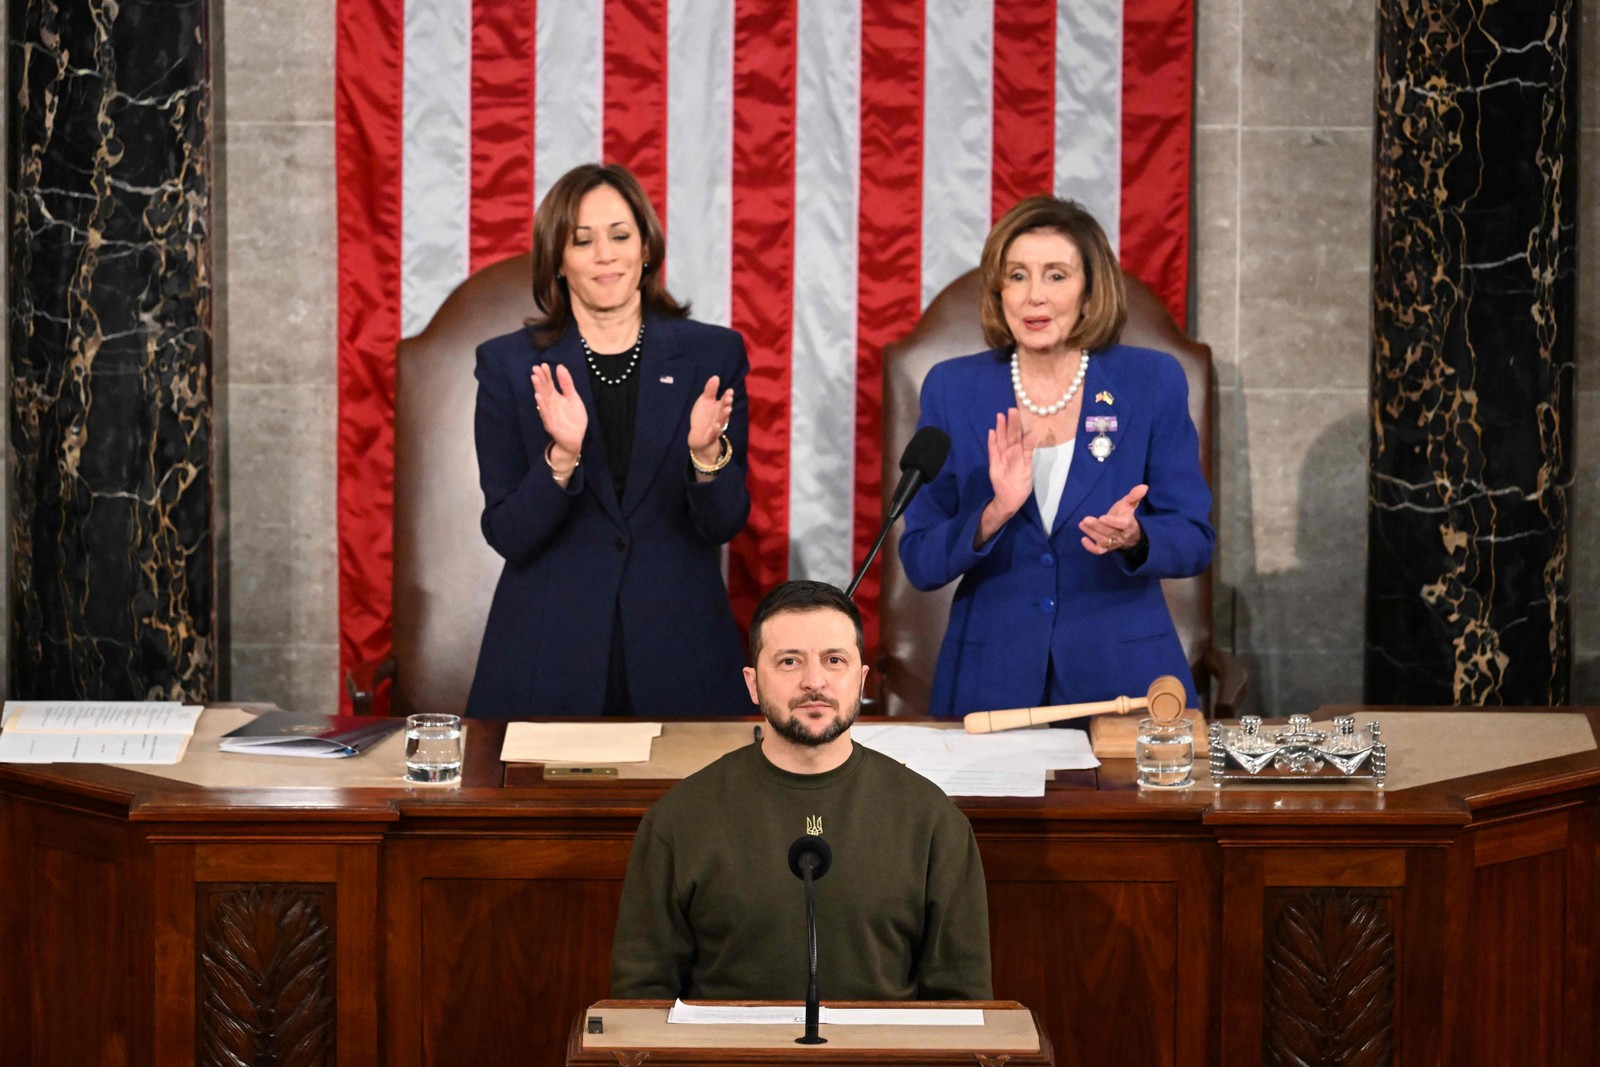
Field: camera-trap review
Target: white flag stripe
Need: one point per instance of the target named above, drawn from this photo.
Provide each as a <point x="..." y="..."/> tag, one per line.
<point x="958" y="138"/>
<point x="437" y="87"/>
<point x="823" y="359"/>
<point x="1088" y="160"/>
<point x="957" y="128"/>
<point x="699" y="217"/>
<point x="568" y="88"/>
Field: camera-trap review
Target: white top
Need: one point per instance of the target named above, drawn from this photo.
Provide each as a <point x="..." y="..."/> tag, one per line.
<point x="1050" y="466"/>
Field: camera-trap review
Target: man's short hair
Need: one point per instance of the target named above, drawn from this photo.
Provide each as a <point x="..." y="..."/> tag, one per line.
<point x="803" y="595"/>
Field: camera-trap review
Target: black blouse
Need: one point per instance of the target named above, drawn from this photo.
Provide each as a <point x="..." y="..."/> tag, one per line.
<point x="616" y="406"/>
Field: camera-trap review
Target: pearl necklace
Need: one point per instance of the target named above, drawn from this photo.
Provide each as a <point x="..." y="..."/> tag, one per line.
<point x="633" y="359"/>
<point x="1022" y="394"/>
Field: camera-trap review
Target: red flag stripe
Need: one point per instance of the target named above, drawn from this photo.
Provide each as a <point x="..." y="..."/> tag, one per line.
<point x="1157" y="124"/>
<point x="763" y="290"/>
<point x="501" y="178"/>
<point x="367" y="108"/>
<point x="635" y="94"/>
<point x="889" y="257"/>
<point x="1024" y="103"/>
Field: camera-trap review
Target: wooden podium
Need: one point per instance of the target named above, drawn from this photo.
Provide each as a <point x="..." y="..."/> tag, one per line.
<point x="229" y="906"/>
<point x="637" y="1032"/>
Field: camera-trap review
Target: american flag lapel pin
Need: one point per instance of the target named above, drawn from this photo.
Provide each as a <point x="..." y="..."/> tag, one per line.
<point x="1103" y="397"/>
<point x="666" y="379"/>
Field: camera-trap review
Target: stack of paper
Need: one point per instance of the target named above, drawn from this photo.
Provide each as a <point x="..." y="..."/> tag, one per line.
<point x="781" y="1014"/>
<point x="590" y="743"/>
<point x="1010" y="764"/>
<point x="89" y="731"/>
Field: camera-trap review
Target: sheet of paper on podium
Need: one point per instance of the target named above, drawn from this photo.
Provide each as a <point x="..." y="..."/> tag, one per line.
<point x="1011" y="764"/>
<point x="61" y="731"/>
<point x="579" y="742"/>
<point x="779" y="1014"/>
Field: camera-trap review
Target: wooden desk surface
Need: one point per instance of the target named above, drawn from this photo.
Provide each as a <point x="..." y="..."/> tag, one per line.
<point x="1440" y="761"/>
<point x="1008" y="1029"/>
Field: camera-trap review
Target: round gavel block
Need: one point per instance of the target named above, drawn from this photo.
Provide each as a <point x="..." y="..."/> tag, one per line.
<point x="1165" y="699"/>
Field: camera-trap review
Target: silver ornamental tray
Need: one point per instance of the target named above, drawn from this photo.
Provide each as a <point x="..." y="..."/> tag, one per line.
<point x="1298" y="752"/>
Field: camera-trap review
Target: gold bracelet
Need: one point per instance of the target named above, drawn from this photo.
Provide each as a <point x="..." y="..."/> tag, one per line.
<point x="553" y="468"/>
<point x="722" y="460"/>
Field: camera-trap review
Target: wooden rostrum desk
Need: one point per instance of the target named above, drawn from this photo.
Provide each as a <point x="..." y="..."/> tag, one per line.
<point x="184" y="914"/>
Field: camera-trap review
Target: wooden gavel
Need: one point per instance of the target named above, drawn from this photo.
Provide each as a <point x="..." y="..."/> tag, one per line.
<point x="1163" y="701"/>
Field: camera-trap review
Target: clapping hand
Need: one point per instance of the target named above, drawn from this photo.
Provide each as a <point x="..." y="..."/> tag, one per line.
<point x="1118" y="529"/>
<point x="707" y="421"/>
<point x="1010" y="473"/>
<point x="561" y="411"/>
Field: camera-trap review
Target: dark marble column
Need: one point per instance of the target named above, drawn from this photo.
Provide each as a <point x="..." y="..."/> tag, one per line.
<point x="1475" y="252"/>
<point x="109" y="311"/>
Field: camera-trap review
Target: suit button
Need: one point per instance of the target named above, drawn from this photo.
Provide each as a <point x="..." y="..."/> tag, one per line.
<point x="622" y="546"/>
<point x="1047" y="559"/>
<point x="1047" y="605"/>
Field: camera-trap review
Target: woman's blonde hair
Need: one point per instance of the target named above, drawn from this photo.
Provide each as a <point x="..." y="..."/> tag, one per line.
<point x="1105" y="304"/>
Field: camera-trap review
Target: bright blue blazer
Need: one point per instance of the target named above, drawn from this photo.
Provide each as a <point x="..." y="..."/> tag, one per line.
<point x="1026" y="596"/>
<point x="574" y="556"/>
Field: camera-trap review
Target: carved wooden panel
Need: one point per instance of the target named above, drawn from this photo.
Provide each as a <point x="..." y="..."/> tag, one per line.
<point x="265" y="975"/>
<point x="1329" y="980"/>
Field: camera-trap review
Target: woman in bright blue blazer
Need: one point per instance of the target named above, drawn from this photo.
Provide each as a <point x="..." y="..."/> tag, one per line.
<point x="611" y="438"/>
<point x="1072" y="488"/>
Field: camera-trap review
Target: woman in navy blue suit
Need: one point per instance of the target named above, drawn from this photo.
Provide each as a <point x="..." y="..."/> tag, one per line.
<point x="611" y="438"/>
<point x="1073" y="484"/>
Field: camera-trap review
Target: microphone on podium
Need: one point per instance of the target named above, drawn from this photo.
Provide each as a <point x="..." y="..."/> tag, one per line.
<point x="809" y="859"/>
<point x="921" y="462"/>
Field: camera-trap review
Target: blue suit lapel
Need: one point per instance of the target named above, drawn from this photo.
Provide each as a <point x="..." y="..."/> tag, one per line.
<point x="1086" y="471"/>
<point x="568" y="353"/>
<point x="666" y="388"/>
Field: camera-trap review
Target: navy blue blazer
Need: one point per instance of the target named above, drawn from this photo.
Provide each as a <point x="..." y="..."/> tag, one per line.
<point x="575" y="555"/>
<point x="1026" y="596"/>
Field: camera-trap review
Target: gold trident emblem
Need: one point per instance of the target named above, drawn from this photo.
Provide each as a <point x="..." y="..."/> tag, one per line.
<point x="814" y="825"/>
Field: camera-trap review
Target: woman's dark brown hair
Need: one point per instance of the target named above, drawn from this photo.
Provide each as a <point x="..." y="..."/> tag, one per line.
<point x="1105" y="305"/>
<point x="553" y="224"/>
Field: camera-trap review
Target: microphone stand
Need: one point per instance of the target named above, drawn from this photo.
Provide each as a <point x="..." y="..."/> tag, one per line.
<point x="909" y="484"/>
<point x="883" y="534"/>
<point x="813" y="997"/>
<point x="921" y="461"/>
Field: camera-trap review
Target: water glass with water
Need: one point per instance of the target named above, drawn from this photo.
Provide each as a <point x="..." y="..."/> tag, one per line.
<point x="433" y="748"/>
<point x="1164" y="754"/>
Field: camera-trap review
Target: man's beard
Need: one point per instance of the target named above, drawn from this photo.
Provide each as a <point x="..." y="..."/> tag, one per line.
<point x="792" y="729"/>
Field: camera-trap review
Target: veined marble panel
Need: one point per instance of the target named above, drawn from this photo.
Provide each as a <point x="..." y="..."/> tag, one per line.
<point x="1472" y="369"/>
<point x="109" y="316"/>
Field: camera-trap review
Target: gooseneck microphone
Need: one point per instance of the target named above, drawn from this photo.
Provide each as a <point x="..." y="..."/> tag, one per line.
<point x="809" y="859"/>
<point x="920" y="463"/>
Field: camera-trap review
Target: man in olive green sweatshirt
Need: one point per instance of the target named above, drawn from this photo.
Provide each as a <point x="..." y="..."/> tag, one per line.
<point x="710" y="909"/>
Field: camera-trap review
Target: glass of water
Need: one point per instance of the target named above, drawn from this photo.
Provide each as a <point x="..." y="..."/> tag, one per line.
<point x="433" y="748"/>
<point x="1165" y="753"/>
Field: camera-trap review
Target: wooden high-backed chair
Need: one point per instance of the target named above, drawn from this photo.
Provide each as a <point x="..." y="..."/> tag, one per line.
<point x="444" y="571"/>
<point x="912" y="622"/>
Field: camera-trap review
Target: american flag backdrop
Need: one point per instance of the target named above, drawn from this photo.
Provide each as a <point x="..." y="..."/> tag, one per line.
<point x="823" y="168"/>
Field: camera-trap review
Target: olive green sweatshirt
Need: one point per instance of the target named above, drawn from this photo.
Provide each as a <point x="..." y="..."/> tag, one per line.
<point x="711" y="910"/>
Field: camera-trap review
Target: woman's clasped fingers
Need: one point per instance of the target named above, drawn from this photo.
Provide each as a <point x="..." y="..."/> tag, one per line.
<point x="1117" y="529"/>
